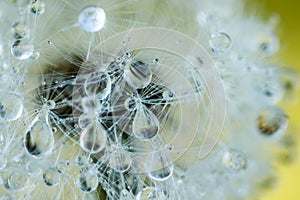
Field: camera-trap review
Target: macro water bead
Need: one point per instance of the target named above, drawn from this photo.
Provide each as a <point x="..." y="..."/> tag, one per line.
<point x="22" y="49"/>
<point x="92" y="19"/>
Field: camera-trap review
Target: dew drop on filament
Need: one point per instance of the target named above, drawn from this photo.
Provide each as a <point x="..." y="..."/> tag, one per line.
<point x="150" y="193"/>
<point x="22" y="49"/>
<point x="119" y="159"/>
<point x="159" y="166"/>
<point x="92" y="19"/>
<point x="145" y="124"/>
<point x="11" y="106"/>
<point x="87" y="181"/>
<point x="93" y="138"/>
<point x="39" y="138"/>
<point x="137" y="74"/>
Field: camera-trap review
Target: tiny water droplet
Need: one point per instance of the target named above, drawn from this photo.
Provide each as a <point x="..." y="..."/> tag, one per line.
<point x="159" y="166"/>
<point x="92" y="19"/>
<point x="22" y="49"/>
<point x="234" y="159"/>
<point x="150" y="193"/>
<point x="219" y="42"/>
<point x="93" y="138"/>
<point x="272" y="121"/>
<point x="87" y="181"/>
<point x="39" y="138"/>
<point x="98" y="85"/>
<point x="37" y="7"/>
<point x="11" y="106"/>
<point x="145" y="124"/>
<point x="51" y="177"/>
<point x="137" y="74"/>
<point x="17" y="180"/>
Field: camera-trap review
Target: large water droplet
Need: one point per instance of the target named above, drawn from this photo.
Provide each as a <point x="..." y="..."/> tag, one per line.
<point x="11" y="106"/>
<point x="150" y="193"/>
<point x="234" y="159"/>
<point x="37" y="7"/>
<point x="145" y="124"/>
<point x="219" y="42"/>
<point x="87" y="181"/>
<point x="272" y="121"/>
<point x="51" y="176"/>
<point x="91" y="19"/>
<point x="159" y="166"/>
<point x="17" y="180"/>
<point x="39" y="139"/>
<point x="93" y="138"/>
<point x="119" y="159"/>
<point x="98" y="85"/>
<point x="137" y="74"/>
<point x="22" y="49"/>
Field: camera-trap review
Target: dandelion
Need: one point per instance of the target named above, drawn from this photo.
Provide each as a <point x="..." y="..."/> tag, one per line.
<point x="137" y="100"/>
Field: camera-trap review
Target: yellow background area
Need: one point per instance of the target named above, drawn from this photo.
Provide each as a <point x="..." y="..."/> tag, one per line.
<point x="288" y="187"/>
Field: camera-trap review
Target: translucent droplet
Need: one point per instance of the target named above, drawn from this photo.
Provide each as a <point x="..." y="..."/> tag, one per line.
<point x="93" y="138"/>
<point x="272" y="121"/>
<point x="159" y="166"/>
<point x="11" y="106"/>
<point x="85" y="120"/>
<point x="35" y="55"/>
<point x="219" y="42"/>
<point x="17" y="180"/>
<point x="20" y="30"/>
<point x="234" y="159"/>
<point x="37" y="7"/>
<point x="150" y="193"/>
<point x="119" y="159"/>
<point x="51" y="176"/>
<point x="39" y="139"/>
<point x="87" y="181"/>
<point x="98" y="85"/>
<point x="91" y="19"/>
<point x="130" y="103"/>
<point x="137" y="74"/>
<point x="145" y="124"/>
<point x="3" y="161"/>
<point x="22" y="49"/>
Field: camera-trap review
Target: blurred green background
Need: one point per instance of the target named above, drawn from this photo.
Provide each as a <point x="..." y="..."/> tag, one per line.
<point x="288" y="187"/>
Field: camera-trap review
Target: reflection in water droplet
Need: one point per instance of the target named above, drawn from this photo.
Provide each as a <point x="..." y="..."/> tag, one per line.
<point x="137" y="74"/>
<point x="22" y="49"/>
<point x="17" y="180"/>
<point x="219" y="42"/>
<point x="234" y="159"/>
<point x="87" y="181"/>
<point x="159" y="166"/>
<point x="11" y="106"/>
<point x="39" y="138"/>
<point x="272" y="121"/>
<point x="98" y="85"/>
<point x="93" y="138"/>
<point x="145" y="124"/>
<point x="119" y="159"/>
<point x="150" y="193"/>
<point x="91" y="19"/>
<point x="37" y="7"/>
<point x="51" y="177"/>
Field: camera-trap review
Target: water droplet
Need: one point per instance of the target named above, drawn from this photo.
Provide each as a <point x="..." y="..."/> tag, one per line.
<point x="86" y="120"/>
<point x="35" y="55"/>
<point x="39" y="139"/>
<point x="137" y="74"/>
<point x="50" y="104"/>
<point x="51" y="176"/>
<point x="150" y="193"/>
<point x="272" y="121"/>
<point x="98" y="85"/>
<point x="130" y="103"/>
<point x="87" y="181"/>
<point x="17" y="180"/>
<point x="119" y="159"/>
<point x="11" y="106"/>
<point x="22" y="49"/>
<point x="91" y="19"/>
<point x="145" y="124"/>
<point x="3" y="161"/>
<point x="93" y="138"/>
<point x="37" y="7"/>
<point x="20" y="30"/>
<point x="158" y="166"/>
<point x="234" y="159"/>
<point x="219" y="42"/>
